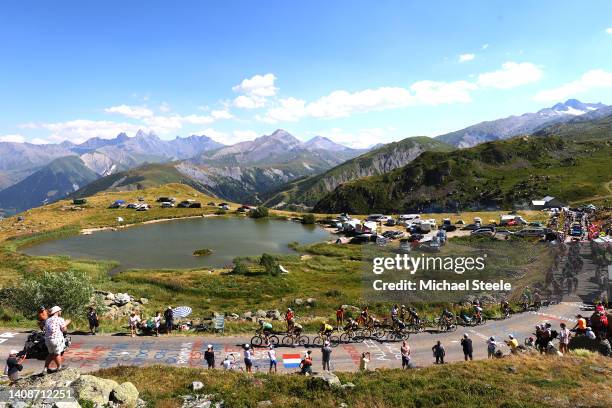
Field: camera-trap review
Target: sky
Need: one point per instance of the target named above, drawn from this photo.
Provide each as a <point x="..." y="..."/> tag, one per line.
<point x="358" y="72"/>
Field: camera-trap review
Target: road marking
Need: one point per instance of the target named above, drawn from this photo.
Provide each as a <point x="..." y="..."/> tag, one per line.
<point x="8" y="335"/>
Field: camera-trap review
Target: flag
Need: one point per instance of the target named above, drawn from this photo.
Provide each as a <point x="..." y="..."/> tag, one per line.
<point x="291" y="360"/>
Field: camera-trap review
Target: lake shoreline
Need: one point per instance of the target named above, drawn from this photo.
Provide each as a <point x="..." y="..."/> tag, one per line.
<point x="89" y="231"/>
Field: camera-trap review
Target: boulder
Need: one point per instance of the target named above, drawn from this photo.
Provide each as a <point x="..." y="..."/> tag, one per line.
<point x="125" y="394"/>
<point x="110" y="296"/>
<point x="247" y="315"/>
<point x="261" y="313"/>
<point x="197" y="385"/>
<point x="122" y="299"/>
<point x="60" y="379"/>
<point x="97" y="390"/>
<point x="298" y="301"/>
<point x="311" y="301"/>
<point x="330" y="379"/>
<point x="233" y="316"/>
<point x="66" y="404"/>
<point x="274" y="314"/>
<point x="144" y="301"/>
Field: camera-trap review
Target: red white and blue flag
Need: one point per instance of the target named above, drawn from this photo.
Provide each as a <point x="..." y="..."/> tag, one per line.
<point x="291" y="360"/>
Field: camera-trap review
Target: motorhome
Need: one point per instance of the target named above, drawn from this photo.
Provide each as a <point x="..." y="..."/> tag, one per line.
<point x="511" y="219"/>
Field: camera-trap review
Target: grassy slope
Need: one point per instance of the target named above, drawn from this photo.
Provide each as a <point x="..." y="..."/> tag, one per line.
<point x="148" y="175"/>
<point x="510" y="382"/>
<point x="580" y="130"/>
<point x="496" y="174"/>
<point x="307" y="191"/>
<point x="53" y="181"/>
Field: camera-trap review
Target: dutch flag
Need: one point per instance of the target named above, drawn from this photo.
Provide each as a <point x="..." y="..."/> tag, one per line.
<point x="291" y="360"/>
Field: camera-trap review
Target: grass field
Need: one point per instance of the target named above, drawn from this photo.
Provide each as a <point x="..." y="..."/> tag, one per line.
<point x="331" y="274"/>
<point x="522" y="381"/>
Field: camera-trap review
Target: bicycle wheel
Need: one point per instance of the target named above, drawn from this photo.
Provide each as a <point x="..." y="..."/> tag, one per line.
<point x="273" y="340"/>
<point x="317" y="341"/>
<point x="287" y="341"/>
<point x="378" y="333"/>
<point x="334" y="341"/>
<point x="256" y="341"/>
<point x="345" y="338"/>
<point x="303" y="340"/>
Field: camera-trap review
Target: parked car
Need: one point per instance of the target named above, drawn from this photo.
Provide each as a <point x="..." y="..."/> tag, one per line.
<point x="447" y="225"/>
<point x="375" y="217"/>
<point x="576" y="230"/>
<point x="393" y="234"/>
<point x="486" y="231"/>
<point x="167" y="204"/>
<point x="362" y="239"/>
<point x="531" y="232"/>
<point x="470" y="227"/>
<point x="132" y="206"/>
<point x="391" y="222"/>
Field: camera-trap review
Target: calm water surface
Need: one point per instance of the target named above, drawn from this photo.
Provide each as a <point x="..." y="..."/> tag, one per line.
<point x="171" y="244"/>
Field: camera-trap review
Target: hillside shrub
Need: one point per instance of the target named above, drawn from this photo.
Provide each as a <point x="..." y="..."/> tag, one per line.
<point x="270" y="264"/>
<point x="71" y="290"/>
<point x="259" y="212"/>
<point x="308" y="219"/>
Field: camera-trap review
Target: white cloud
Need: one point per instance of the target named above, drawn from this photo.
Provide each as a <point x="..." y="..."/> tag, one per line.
<point x="511" y="75"/>
<point x="12" y="138"/>
<point x="133" y="112"/>
<point x="609" y="30"/>
<point x="255" y="91"/>
<point x="79" y="130"/>
<point x="221" y="114"/>
<point x="593" y="79"/>
<point x="164" y="107"/>
<point x="484" y="46"/>
<point x="342" y="103"/>
<point x="466" y="57"/>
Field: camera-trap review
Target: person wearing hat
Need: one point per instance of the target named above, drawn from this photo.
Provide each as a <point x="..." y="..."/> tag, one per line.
<point x="209" y="356"/>
<point x="326" y="351"/>
<point x="306" y="364"/>
<point x="491" y="347"/>
<point x="512" y="343"/>
<point x="42" y="315"/>
<point x="248" y="358"/>
<point x="13" y="366"/>
<point x="468" y="349"/>
<point x="55" y="327"/>
<point x="272" y="357"/>
<point x="169" y="317"/>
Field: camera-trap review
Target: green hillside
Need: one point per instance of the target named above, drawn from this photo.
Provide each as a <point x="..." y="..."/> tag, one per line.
<point x="51" y="183"/>
<point x="499" y="174"/>
<point x="305" y="192"/>
<point x="580" y="129"/>
<point x="148" y="175"/>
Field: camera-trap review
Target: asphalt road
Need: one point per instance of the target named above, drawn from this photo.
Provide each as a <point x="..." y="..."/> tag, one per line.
<point x="90" y="353"/>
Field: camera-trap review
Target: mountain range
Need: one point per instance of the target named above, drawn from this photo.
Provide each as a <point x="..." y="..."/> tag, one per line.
<point x="278" y="170"/>
<point x="517" y="125"/>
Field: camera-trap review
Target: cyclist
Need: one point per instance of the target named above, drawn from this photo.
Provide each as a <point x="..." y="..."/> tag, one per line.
<point x="537" y="299"/>
<point x="403" y="313"/>
<point x="364" y="316"/>
<point x="505" y="308"/>
<point x="351" y="325"/>
<point x="296" y="329"/>
<point x="394" y="313"/>
<point x="326" y="329"/>
<point x="414" y="316"/>
<point x="265" y="327"/>
<point x="478" y="313"/>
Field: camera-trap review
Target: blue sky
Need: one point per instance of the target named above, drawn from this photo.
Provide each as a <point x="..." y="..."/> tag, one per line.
<point x="359" y="72"/>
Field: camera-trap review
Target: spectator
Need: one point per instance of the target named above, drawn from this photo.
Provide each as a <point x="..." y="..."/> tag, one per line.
<point x="466" y="344"/>
<point x="272" y="357"/>
<point x="439" y="352"/>
<point x="405" y="352"/>
<point x="169" y="317"/>
<point x="581" y="326"/>
<point x="55" y="327"/>
<point x="13" y="366"/>
<point x="364" y="361"/>
<point x="491" y="347"/>
<point x="590" y="334"/>
<point x="248" y="358"/>
<point x="513" y="344"/>
<point x="209" y="356"/>
<point x="134" y="323"/>
<point x="92" y="318"/>
<point x="42" y="315"/>
<point x="326" y="351"/>
<point x="564" y="338"/>
<point x="340" y="317"/>
<point x="306" y="364"/>
<point x="157" y="322"/>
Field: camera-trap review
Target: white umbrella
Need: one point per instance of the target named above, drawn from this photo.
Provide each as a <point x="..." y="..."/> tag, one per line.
<point x="181" y="311"/>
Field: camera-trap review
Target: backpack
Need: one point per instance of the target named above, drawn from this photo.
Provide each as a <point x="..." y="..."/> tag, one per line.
<point x="604" y="320"/>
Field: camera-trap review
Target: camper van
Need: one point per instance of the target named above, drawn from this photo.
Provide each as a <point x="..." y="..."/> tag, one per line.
<point x="511" y="220"/>
<point x="409" y="217"/>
